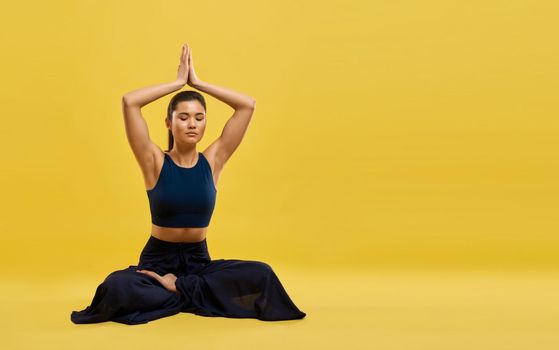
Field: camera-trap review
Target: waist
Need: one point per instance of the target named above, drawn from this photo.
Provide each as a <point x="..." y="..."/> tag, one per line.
<point x="160" y="252"/>
<point x="179" y="234"/>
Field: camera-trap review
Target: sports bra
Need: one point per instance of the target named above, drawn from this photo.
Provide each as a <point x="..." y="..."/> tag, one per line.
<point x="183" y="197"/>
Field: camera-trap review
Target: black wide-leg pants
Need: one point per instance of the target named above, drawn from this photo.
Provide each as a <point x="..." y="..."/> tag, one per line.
<point x="221" y="287"/>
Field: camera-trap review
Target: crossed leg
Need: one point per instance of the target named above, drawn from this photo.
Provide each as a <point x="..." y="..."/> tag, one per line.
<point x="237" y="288"/>
<point x="221" y="287"/>
<point x="129" y="297"/>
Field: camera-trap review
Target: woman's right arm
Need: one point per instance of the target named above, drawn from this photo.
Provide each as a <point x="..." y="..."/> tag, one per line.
<point x="141" y="97"/>
<point x="137" y="132"/>
<point x="136" y="128"/>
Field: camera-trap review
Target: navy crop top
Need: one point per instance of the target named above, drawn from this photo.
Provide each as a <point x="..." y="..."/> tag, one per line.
<point x="183" y="197"/>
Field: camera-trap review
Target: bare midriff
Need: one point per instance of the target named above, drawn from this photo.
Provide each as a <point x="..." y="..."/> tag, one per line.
<point x="179" y="234"/>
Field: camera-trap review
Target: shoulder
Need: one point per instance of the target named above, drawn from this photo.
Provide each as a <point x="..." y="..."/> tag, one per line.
<point x="209" y="159"/>
<point x="151" y="168"/>
<point x="158" y="156"/>
<point x="210" y="153"/>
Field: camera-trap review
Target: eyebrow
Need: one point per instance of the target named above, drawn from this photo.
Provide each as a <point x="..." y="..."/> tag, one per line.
<point x="187" y="113"/>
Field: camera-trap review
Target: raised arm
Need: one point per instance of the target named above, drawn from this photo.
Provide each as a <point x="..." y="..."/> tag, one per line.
<point x="235" y="128"/>
<point x="136" y="128"/>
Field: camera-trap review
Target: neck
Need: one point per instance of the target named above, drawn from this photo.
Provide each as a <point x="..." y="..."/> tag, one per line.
<point x="185" y="155"/>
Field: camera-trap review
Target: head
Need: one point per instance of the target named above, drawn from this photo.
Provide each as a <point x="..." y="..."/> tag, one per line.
<point x="186" y="113"/>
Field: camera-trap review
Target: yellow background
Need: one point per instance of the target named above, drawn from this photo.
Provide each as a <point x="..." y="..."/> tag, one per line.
<point x="395" y="145"/>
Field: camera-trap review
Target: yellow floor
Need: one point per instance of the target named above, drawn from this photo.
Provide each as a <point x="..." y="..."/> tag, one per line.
<point x="346" y="309"/>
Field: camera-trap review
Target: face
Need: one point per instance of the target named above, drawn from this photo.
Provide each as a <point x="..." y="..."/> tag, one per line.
<point x="188" y="117"/>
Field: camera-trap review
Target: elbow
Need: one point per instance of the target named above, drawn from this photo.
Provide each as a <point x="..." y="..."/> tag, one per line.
<point x="124" y="100"/>
<point x="248" y="105"/>
<point x="127" y="101"/>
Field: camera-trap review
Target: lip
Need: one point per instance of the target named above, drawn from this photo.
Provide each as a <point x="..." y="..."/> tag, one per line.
<point x="191" y="133"/>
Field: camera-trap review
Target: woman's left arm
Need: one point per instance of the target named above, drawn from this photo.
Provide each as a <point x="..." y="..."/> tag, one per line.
<point x="235" y="128"/>
<point x="234" y="99"/>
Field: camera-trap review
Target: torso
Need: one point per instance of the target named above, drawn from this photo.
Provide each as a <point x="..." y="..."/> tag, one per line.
<point x="180" y="234"/>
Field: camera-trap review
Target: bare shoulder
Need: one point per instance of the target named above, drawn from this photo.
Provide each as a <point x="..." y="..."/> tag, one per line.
<point x="211" y="155"/>
<point x="158" y="156"/>
<point x="152" y="168"/>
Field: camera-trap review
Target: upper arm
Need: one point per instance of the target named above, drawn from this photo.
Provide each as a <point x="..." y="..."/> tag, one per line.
<point x="138" y="138"/>
<point x="232" y="134"/>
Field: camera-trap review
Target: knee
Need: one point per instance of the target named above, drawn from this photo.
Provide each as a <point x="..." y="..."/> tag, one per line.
<point x="263" y="266"/>
<point x="119" y="280"/>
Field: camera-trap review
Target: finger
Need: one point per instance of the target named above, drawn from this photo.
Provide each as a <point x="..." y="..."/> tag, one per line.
<point x="151" y="274"/>
<point x="146" y="272"/>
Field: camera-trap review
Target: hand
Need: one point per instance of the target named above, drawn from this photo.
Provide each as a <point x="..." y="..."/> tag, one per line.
<point x="182" y="72"/>
<point x="168" y="281"/>
<point x="192" y="77"/>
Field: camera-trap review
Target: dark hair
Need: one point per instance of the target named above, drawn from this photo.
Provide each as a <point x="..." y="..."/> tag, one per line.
<point x="189" y="95"/>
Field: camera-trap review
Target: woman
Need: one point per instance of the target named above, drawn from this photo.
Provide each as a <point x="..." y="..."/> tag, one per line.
<point x="175" y="272"/>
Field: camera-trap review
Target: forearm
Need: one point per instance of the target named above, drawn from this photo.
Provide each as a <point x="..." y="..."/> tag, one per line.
<point x="234" y="99"/>
<point x="143" y="96"/>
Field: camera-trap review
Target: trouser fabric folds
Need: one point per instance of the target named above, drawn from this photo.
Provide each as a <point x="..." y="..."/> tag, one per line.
<point x="206" y="287"/>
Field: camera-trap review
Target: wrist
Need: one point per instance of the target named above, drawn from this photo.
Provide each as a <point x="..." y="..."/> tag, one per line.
<point x="196" y="83"/>
<point x="179" y="83"/>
